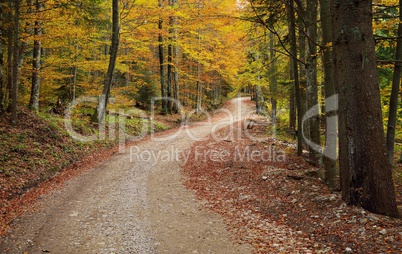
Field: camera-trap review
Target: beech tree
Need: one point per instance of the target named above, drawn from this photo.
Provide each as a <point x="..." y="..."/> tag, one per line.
<point x="199" y="93"/>
<point x="311" y="76"/>
<point x="366" y="176"/>
<point x="104" y="98"/>
<point x="396" y="80"/>
<point x="273" y="78"/>
<point x="293" y="50"/>
<point x="173" y="52"/>
<point x="10" y="52"/>
<point x="15" y="62"/>
<point x="34" y="100"/>
<point x="162" y="60"/>
<point x="331" y="128"/>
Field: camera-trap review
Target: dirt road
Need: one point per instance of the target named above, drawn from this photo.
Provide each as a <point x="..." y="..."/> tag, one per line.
<point x="132" y="203"/>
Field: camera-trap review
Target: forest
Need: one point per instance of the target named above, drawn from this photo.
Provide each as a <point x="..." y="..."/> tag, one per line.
<point x="326" y="75"/>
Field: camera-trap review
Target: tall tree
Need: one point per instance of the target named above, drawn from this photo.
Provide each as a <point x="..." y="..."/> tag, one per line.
<point x="104" y="98"/>
<point x="16" y="57"/>
<point x="162" y="61"/>
<point x="259" y="97"/>
<point x="176" y="86"/>
<point x="311" y="77"/>
<point x="366" y="176"/>
<point x="292" y="100"/>
<point x="396" y="80"/>
<point x="10" y="53"/>
<point x="170" y="66"/>
<point x="301" y="45"/>
<point x="331" y="127"/>
<point x="173" y="51"/>
<point x="16" y="54"/>
<point x="293" y="50"/>
<point x="199" y="88"/>
<point x="199" y="81"/>
<point x="74" y="74"/>
<point x="273" y="87"/>
<point x="34" y="100"/>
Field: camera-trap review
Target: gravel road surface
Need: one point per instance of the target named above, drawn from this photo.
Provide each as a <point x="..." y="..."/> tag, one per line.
<point x="134" y="202"/>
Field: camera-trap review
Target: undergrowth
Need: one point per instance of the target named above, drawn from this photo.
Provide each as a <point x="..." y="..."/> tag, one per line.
<point x="40" y="145"/>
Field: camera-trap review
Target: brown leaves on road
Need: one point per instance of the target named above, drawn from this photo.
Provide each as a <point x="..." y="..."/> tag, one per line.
<point x="276" y="201"/>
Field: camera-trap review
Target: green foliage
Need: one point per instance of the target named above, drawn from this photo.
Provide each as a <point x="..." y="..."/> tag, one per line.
<point x="146" y="91"/>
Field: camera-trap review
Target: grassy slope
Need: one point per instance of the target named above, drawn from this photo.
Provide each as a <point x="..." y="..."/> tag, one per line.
<point x="39" y="147"/>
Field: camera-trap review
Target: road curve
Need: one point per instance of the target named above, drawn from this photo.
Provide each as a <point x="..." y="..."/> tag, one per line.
<point x="132" y="203"/>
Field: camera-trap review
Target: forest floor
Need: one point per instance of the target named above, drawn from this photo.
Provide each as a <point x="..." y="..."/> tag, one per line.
<point x="276" y="201"/>
<point x="238" y="179"/>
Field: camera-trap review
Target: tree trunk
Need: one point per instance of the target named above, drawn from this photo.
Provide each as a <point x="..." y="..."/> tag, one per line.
<point x="74" y="83"/>
<point x="199" y="89"/>
<point x="176" y="64"/>
<point x="292" y="100"/>
<point x="366" y="176"/>
<point x="173" y="61"/>
<point x="259" y="98"/>
<point x="199" y="82"/>
<point x="104" y="98"/>
<point x="16" y="53"/>
<point x="331" y="129"/>
<point x="162" y="62"/>
<point x="74" y="70"/>
<point x="34" y="100"/>
<point x="296" y="77"/>
<point x="301" y="38"/>
<point x="10" y="53"/>
<point x="16" y="27"/>
<point x="311" y="77"/>
<point x="170" y="68"/>
<point x="393" y="102"/>
<point x="273" y="82"/>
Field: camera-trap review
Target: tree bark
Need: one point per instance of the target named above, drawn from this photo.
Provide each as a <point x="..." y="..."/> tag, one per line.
<point x="16" y="27"/>
<point x="104" y="98"/>
<point x="162" y="62"/>
<point x="34" y="100"/>
<point x="292" y="100"/>
<point x="393" y="102"/>
<point x="173" y="53"/>
<point x="331" y="129"/>
<point x="17" y="53"/>
<point x="176" y="63"/>
<point x="273" y="82"/>
<point x="170" y="69"/>
<point x="259" y="98"/>
<point x="199" y="89"/>
<point x="366" y="176"/>
<point x="311" y="77"/>
<point x="296" y="77"/>
<point x="199" y="82"/>
<point x="73" y="82"/>
<point x="301" y="46"/>
<point x="10" y="53"/>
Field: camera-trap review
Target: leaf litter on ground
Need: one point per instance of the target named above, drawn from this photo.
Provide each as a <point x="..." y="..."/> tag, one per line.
<point x="279" y="204"/>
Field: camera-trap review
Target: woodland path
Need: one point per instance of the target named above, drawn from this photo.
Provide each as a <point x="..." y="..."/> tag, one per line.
<point x="131" y="204"/>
